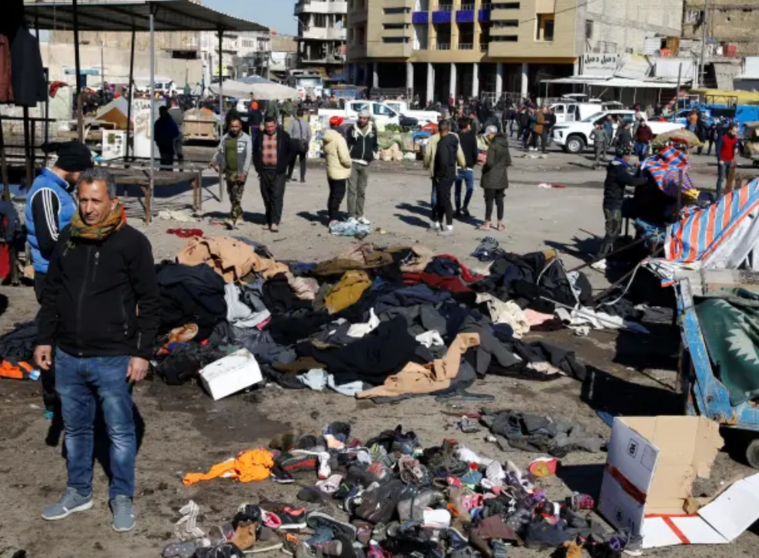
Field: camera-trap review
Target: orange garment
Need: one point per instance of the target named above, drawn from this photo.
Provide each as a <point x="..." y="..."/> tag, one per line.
<point x="250" y="465"/>
<point x="436" y="376"/>
<point x="18" y="371"/>
<point x="230" y="258"/>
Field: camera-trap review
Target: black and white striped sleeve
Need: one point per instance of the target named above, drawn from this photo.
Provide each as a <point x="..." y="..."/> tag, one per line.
<point x="45" y="206"/>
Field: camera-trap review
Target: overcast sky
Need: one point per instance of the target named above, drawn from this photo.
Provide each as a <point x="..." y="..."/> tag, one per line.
<point x="276" y="14"/>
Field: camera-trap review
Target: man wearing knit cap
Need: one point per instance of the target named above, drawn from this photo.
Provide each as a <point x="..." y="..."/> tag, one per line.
<point x="49" y="209"/>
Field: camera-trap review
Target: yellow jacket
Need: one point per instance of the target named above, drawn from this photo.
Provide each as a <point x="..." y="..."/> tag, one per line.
<point x="338" y="156"/>
<point x="429" y="154"/>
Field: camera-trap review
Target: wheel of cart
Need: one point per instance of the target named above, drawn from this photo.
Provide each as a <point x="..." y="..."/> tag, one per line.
<point x="704" y="394"/>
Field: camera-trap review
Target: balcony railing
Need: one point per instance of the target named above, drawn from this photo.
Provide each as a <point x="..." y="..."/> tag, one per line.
<point x="467" y="7"/>
<point x="445" y="8"/>
<point x="483" y="47"/>
<point x="442" y="46"/>
<point x="466" y="46"/>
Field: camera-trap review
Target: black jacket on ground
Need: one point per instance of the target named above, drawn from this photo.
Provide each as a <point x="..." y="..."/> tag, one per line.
<point x="469" y="147"/>
<point x="617" y="178"/>
<point x="495" y="173"/>
<point x="362" y="146"/>
<point x="285" y="151"/>
<point x="445" y="157"/>
<point x="93" y="289"/>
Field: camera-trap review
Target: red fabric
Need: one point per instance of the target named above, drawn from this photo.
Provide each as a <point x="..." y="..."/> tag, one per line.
<point x="466" y="274"/>
<point x="185" y="233"/>
<point x="727" y="152"/>
<point x="451" y="284"/>
<point x="6" y="85"/>
<point x="5" y="261"/>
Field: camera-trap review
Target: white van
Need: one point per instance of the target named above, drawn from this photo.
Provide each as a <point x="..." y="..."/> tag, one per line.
<point x="574" y="112"/>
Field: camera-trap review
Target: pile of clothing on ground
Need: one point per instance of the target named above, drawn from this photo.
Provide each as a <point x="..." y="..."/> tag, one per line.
<point x="391" y="497"/>
<point x="375" y="323"/>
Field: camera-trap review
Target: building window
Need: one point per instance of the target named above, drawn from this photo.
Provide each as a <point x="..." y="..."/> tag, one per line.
<point x="504" y="39"/>
<point x="395" y="25"/>
<point x="544" y="30"/>
<point x="320" y="20"/>
<point x="505" y="5"/>
<point x="506" y="23"/>
<point x="391" y="11"/>
<point x="588" y="28"/>
<point x="395" y="39"/>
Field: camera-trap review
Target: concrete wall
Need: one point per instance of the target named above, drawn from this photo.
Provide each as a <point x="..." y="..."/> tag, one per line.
<point x="729" y="21"/>
<point x="623" y="25"/>
<point x="59" y="57"/>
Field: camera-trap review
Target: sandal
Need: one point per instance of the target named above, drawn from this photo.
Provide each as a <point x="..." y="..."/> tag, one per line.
<point x="484" y="227"/>
<point x="500" y="227"/>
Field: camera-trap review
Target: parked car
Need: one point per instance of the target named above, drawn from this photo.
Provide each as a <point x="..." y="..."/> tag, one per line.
<point x="421" y="116"/>
<point x="574" y="111"/>
<point x="574" y="137"/>
<point x="381" y="113"/>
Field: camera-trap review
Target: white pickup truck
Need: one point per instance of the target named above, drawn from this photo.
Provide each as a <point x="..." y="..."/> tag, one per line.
<point x="383" y="113"/>
<point x="421" y="116"/>
<point x="574" y="137"/>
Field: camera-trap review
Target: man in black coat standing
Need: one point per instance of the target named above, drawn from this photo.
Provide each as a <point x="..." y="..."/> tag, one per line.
<point x="621" y="173"/>
<point x="272" y="153"/>
<point x="101" y="309"/>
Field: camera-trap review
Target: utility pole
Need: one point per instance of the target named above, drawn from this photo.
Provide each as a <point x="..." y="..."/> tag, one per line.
<point x="704" y="24"/>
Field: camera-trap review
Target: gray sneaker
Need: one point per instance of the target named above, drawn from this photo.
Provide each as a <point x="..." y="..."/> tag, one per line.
<point x="123" y="514"/>
<point x="445" y="232"/>
<point x="70" y="502"/>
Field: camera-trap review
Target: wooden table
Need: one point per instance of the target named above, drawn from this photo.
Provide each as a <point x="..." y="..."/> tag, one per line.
<point x="139" y="173"/>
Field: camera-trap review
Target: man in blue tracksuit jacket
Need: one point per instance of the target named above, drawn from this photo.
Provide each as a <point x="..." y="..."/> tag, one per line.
<point x="49" y="209"/>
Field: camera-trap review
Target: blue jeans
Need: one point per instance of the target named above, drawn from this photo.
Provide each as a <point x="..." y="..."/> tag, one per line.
<point x="641" y="150"/>
<point x="81" y="384"/>
<point x="468" y="176"/>
<point x="722" y="171"/>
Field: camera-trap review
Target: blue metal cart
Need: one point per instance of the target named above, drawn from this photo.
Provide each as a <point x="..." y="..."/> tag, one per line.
<point x="704" y="394"/>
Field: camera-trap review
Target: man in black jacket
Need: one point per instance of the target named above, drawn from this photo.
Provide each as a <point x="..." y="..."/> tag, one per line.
<point x="101" y="309"/>
<point x="272" y="153"/>
<point x="444" y="173"/>
<point x="468" y="141"/>
<point x="363" y="144"/>
<point x="621" y="172"/>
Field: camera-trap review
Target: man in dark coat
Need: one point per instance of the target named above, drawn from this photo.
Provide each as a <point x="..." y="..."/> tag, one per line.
<point x="620" y="173"/>
<point x="495" y="177"/>
<point x="272" y="154"/>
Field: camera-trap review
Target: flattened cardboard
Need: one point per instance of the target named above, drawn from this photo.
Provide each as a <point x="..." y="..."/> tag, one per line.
<point x="651" y="466"/>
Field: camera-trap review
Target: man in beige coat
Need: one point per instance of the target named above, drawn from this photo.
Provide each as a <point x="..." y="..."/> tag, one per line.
<point x="430" y="155"/>
<point x="339" y="166"/>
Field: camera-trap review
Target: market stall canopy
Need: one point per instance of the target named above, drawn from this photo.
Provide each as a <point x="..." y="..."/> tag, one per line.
<point x="616" y="82"/>
<point x="128" y="15"/>
<point x="255" y="87"/>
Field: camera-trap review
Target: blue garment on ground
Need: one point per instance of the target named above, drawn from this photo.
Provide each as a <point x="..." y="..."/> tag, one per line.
<point x="443" y="267"/>
<point x="410" y="296"/>
<point x="351" y="227"/>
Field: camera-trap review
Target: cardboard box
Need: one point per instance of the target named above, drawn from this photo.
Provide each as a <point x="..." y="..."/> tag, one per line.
<point x="231" y="374"/>
<point x="650" y="470"/>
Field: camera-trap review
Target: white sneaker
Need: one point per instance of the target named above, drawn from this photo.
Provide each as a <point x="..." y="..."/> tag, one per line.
<point x="364" y="221"/>
<point x="599" y="265"/>
<point x="436" y="226"/>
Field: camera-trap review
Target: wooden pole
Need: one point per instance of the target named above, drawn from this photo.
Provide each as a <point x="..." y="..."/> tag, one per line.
<point x="130" y="100"/>
<point x="151" y="185"/>
<point x="78" y="69"/>
<point x="4" y="165"/>
<point x="27" y="154"/>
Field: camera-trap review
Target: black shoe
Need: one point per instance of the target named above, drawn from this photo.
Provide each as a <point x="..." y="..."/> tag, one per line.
<point x="466" y="213"/>
<point x="457" y="215"/>
<point x="302" y="180"/>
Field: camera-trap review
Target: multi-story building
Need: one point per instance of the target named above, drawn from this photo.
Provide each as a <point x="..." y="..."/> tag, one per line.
<point x="443" y="48"/>
<point x="321" y="33"/>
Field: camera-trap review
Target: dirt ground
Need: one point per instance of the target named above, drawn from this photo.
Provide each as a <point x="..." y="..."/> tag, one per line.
<point x="183" y="430"/>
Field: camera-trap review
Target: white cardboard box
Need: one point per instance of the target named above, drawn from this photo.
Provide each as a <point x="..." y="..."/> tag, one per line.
<point x="649" y="474"/>
<point x="231" y="374"/>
